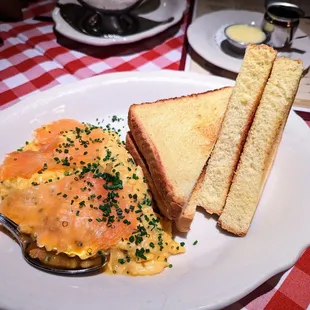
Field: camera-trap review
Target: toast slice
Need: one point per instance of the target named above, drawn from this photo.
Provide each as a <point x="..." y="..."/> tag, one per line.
<point x="211" y="190"/>
<point x="133" y="150"/>
<point x="261" y="146"/>
<point x="175" y="137"/>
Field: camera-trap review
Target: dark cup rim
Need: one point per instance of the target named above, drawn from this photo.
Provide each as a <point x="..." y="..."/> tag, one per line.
<point x="284" y="5"/>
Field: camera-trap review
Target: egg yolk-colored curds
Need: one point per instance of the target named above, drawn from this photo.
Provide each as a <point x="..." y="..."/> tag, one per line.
<point x="76" y="190"/>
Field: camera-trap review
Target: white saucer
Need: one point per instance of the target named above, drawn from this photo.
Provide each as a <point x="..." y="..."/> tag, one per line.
<point x="165" y="10"/>
<point x="206" y="36"/>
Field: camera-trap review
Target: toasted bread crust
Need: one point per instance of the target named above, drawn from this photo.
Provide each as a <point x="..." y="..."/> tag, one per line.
<point x="156" y="169"/>
<point x="151" y="156"/>
<point x="263" y="140"/>
<point x="184" y="223"/>
<point x="211" y="192"/>
<point x="269" y="164"/>
<point x="244" y="134"/>
<point x="132" y="149"/>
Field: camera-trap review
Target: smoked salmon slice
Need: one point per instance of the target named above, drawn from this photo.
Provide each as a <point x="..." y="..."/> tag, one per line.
<point x="46" y="134"/>
<point x="72" y="216"/>
<point x="62" y="146"/>
<point x="23" y="164"/>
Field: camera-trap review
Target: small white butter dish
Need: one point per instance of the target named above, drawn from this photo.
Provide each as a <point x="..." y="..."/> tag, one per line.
<point x="240" y="35"/>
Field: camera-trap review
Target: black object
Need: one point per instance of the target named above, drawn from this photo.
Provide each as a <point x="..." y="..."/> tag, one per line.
<point x="94" y="23"/>
<point x="42" y="18"/>
<point x="103" y="23"/>
<point x="286" y="10"/>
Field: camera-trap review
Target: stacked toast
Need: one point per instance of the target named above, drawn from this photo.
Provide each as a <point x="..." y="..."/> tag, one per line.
<point x="215" y="149"/>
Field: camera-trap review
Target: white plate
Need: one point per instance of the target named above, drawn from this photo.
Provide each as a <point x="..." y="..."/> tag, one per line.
<point x="206" y="37"/>
<point x="217" y="271"/>
<point x="165" y="10"/>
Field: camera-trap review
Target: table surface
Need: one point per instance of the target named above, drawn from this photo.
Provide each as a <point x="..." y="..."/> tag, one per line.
<point x="34" y="58"/>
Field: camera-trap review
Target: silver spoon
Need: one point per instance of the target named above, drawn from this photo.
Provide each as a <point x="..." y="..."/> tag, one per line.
<point x="25" y="241"/>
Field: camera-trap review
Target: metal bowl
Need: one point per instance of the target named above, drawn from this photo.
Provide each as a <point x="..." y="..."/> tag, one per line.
<point x="112" y="12"/>
<point x="239" y="45"/>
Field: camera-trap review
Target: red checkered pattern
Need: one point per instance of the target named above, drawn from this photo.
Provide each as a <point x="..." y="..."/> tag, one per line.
<point x="305" y="116"/>
<point x="285" y="291"/>
<point x="34" y="58"/>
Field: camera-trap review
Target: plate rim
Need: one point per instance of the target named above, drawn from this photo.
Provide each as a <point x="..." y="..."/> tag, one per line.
<point x="134" y="76"/>
<point x="119" y="76"/>
<point x="58" y="20"/>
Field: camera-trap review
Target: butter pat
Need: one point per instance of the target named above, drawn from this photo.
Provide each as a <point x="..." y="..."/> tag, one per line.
<point x="245" y="33"/>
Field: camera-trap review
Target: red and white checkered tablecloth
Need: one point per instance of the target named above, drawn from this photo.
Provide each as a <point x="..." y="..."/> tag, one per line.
<point x="34" y="58"/>
<point x="285" y="291"/>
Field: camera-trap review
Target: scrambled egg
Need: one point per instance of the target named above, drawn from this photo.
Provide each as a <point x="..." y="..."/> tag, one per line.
<point x="139" y="240"/>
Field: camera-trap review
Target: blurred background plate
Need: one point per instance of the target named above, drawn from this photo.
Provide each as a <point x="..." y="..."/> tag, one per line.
<point x="206" y="37"/>
<point x="157" y="10"/>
